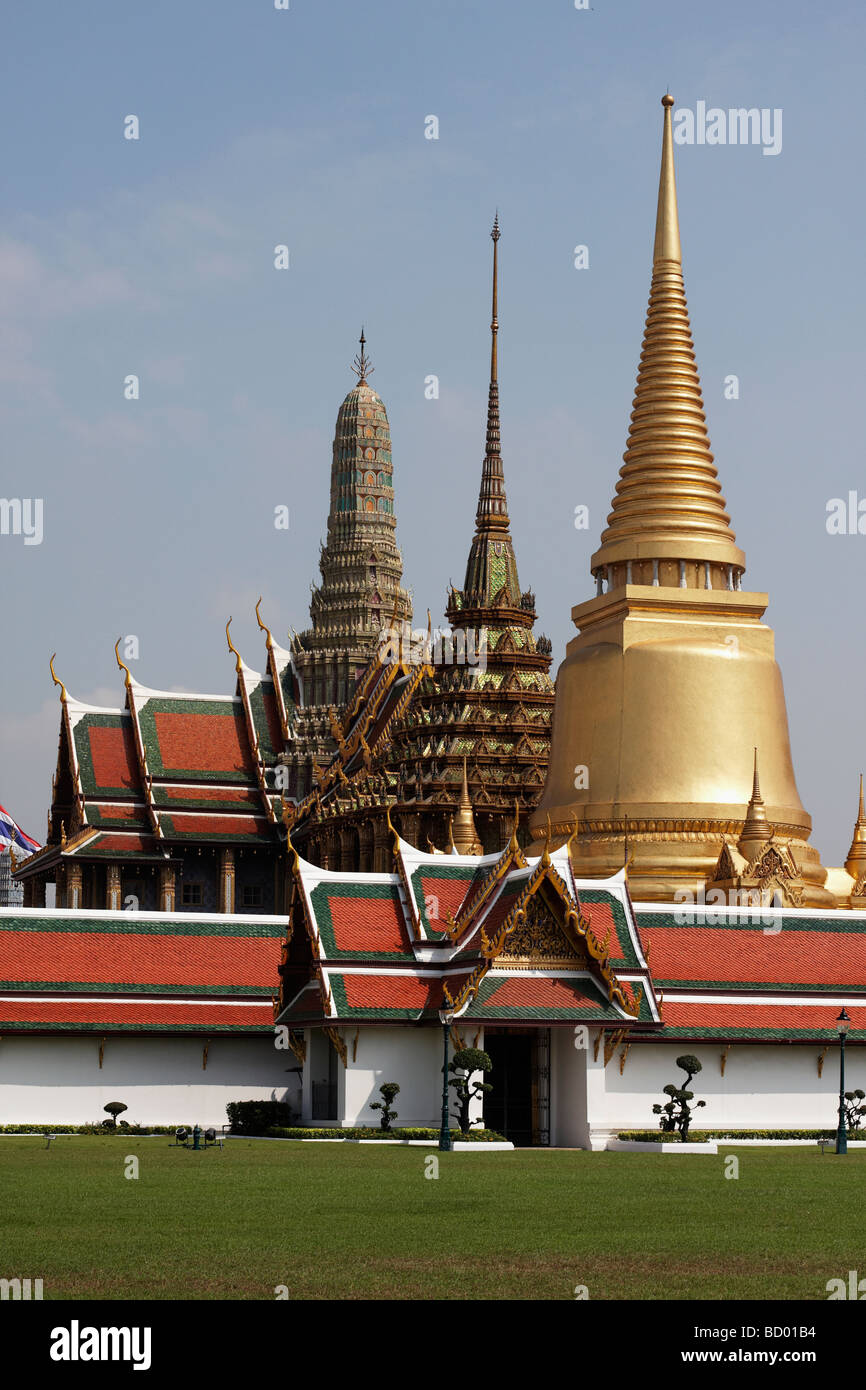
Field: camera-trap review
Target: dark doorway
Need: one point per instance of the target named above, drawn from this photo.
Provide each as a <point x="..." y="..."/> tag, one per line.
<point x="509" y="1107"/>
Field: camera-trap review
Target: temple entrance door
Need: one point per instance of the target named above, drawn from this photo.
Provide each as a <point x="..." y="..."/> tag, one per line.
<point x="519" y="1104"/>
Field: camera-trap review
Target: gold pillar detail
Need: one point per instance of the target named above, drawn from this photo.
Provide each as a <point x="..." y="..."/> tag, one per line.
<point x="74" y="886"/>
<point x="167" y="888"/>
<point x="113" y="888"/>
<point x="227" y="879"/>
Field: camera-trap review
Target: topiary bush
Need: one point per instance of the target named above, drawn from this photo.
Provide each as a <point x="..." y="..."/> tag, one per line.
<point x="388" y="1091"/>
<point x="675" y="1117"/>
<point x="465" y="1064"/>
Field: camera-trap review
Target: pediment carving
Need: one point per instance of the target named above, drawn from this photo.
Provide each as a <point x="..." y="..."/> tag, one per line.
<point x="540" y="940"/>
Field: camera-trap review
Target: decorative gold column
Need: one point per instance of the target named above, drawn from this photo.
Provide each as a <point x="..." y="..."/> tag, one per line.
<point x="167" y="888"/>
<point x="672" y="680"/>
<point x="74" y="887"/>
<point x="227" y="879"/>
<point x="113" y="888"/>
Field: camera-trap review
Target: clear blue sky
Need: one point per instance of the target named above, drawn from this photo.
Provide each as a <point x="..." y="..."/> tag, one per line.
<point x="306" y="127"/>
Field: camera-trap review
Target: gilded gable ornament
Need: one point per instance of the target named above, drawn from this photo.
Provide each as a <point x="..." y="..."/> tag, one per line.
<point x="539" y="939"/>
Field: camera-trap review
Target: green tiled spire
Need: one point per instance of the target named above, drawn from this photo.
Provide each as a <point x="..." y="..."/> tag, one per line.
<point x="361" y="565"/>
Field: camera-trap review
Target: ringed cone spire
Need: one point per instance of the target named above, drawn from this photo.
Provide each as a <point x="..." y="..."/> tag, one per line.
<point x="756" y="828"/>
<point x="668" y="505"/>
<point x="855" y="864"/>
<point x="647" y="697"/>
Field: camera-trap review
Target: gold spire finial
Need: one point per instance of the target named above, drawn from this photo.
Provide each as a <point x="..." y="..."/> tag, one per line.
<point x="856" y="861"/>
<point x="668" y="504"/>
<point x="56" y="679"/>
<point x="232" y="647"/>
<point x="128" y="680"/>
<point x="262" y="627"/>
<point x="667" y="240"/>
<point x="464" y="835"/>
<point x="756" y="828"/>
<point x="361" y="363"/>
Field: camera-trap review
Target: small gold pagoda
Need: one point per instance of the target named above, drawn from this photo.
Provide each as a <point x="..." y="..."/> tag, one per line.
<point x="671" y="682"/>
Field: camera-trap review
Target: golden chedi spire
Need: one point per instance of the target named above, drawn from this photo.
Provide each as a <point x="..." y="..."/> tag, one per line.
<point x="855" y="864"/>
<point x="756" y="828"/>
<point x="671" y="681"/>
<point x="464" y="836"/>
<point x="668" y="513"/>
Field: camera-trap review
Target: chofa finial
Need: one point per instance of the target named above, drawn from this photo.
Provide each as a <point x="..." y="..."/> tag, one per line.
<point x="56" y="679"/>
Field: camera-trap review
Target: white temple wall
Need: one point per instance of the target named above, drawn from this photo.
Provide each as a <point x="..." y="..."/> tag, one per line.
<point x="410" y="1056"/>
<point x="58" y="1080"/>
<point x="764" y="1087"/>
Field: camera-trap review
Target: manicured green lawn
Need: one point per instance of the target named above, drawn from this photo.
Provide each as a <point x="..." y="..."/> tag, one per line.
<point x="349" y="1221"/>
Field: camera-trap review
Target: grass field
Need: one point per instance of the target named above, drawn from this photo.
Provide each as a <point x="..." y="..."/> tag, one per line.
<point x="348" y="1221"/>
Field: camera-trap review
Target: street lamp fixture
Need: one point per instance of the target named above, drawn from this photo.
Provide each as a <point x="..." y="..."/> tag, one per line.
<point x="843" y="1023"/>
<point x="445" y="1127"/>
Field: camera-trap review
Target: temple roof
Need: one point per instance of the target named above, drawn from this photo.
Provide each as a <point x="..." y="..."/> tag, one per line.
<point x="756" y="972"/>
<point x="146" y="972"/>
<point x="171" y="766"/>
<point x="486" y="937"/>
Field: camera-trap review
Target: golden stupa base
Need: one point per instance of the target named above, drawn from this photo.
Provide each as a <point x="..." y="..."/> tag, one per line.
<point x="664" y="864"/>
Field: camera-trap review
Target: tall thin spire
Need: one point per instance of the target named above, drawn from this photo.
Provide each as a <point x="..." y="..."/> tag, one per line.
<point x="856" y="861"/>
<point x="492" y="504"/>
<point x="668" y="503"/>
<point x="667" y="239"/>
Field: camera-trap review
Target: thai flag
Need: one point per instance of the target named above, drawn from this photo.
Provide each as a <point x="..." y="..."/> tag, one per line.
<point x="12" y="837"/>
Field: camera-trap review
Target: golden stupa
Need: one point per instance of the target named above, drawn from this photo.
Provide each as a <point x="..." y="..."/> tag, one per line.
<point x="671" y="683"/>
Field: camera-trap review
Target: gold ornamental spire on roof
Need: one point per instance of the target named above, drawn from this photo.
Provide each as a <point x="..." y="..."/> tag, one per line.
<point x="492" y="504"/>
<point x="856" y="861"/>
<point x="668" y="503"/>
<point x="464" y="836"/>
<point x="756" y="828"/>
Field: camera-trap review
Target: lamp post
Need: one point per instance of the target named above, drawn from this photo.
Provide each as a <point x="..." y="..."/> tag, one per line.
<point x="843" y="1023"/>
<point x="445" y="1128"/>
